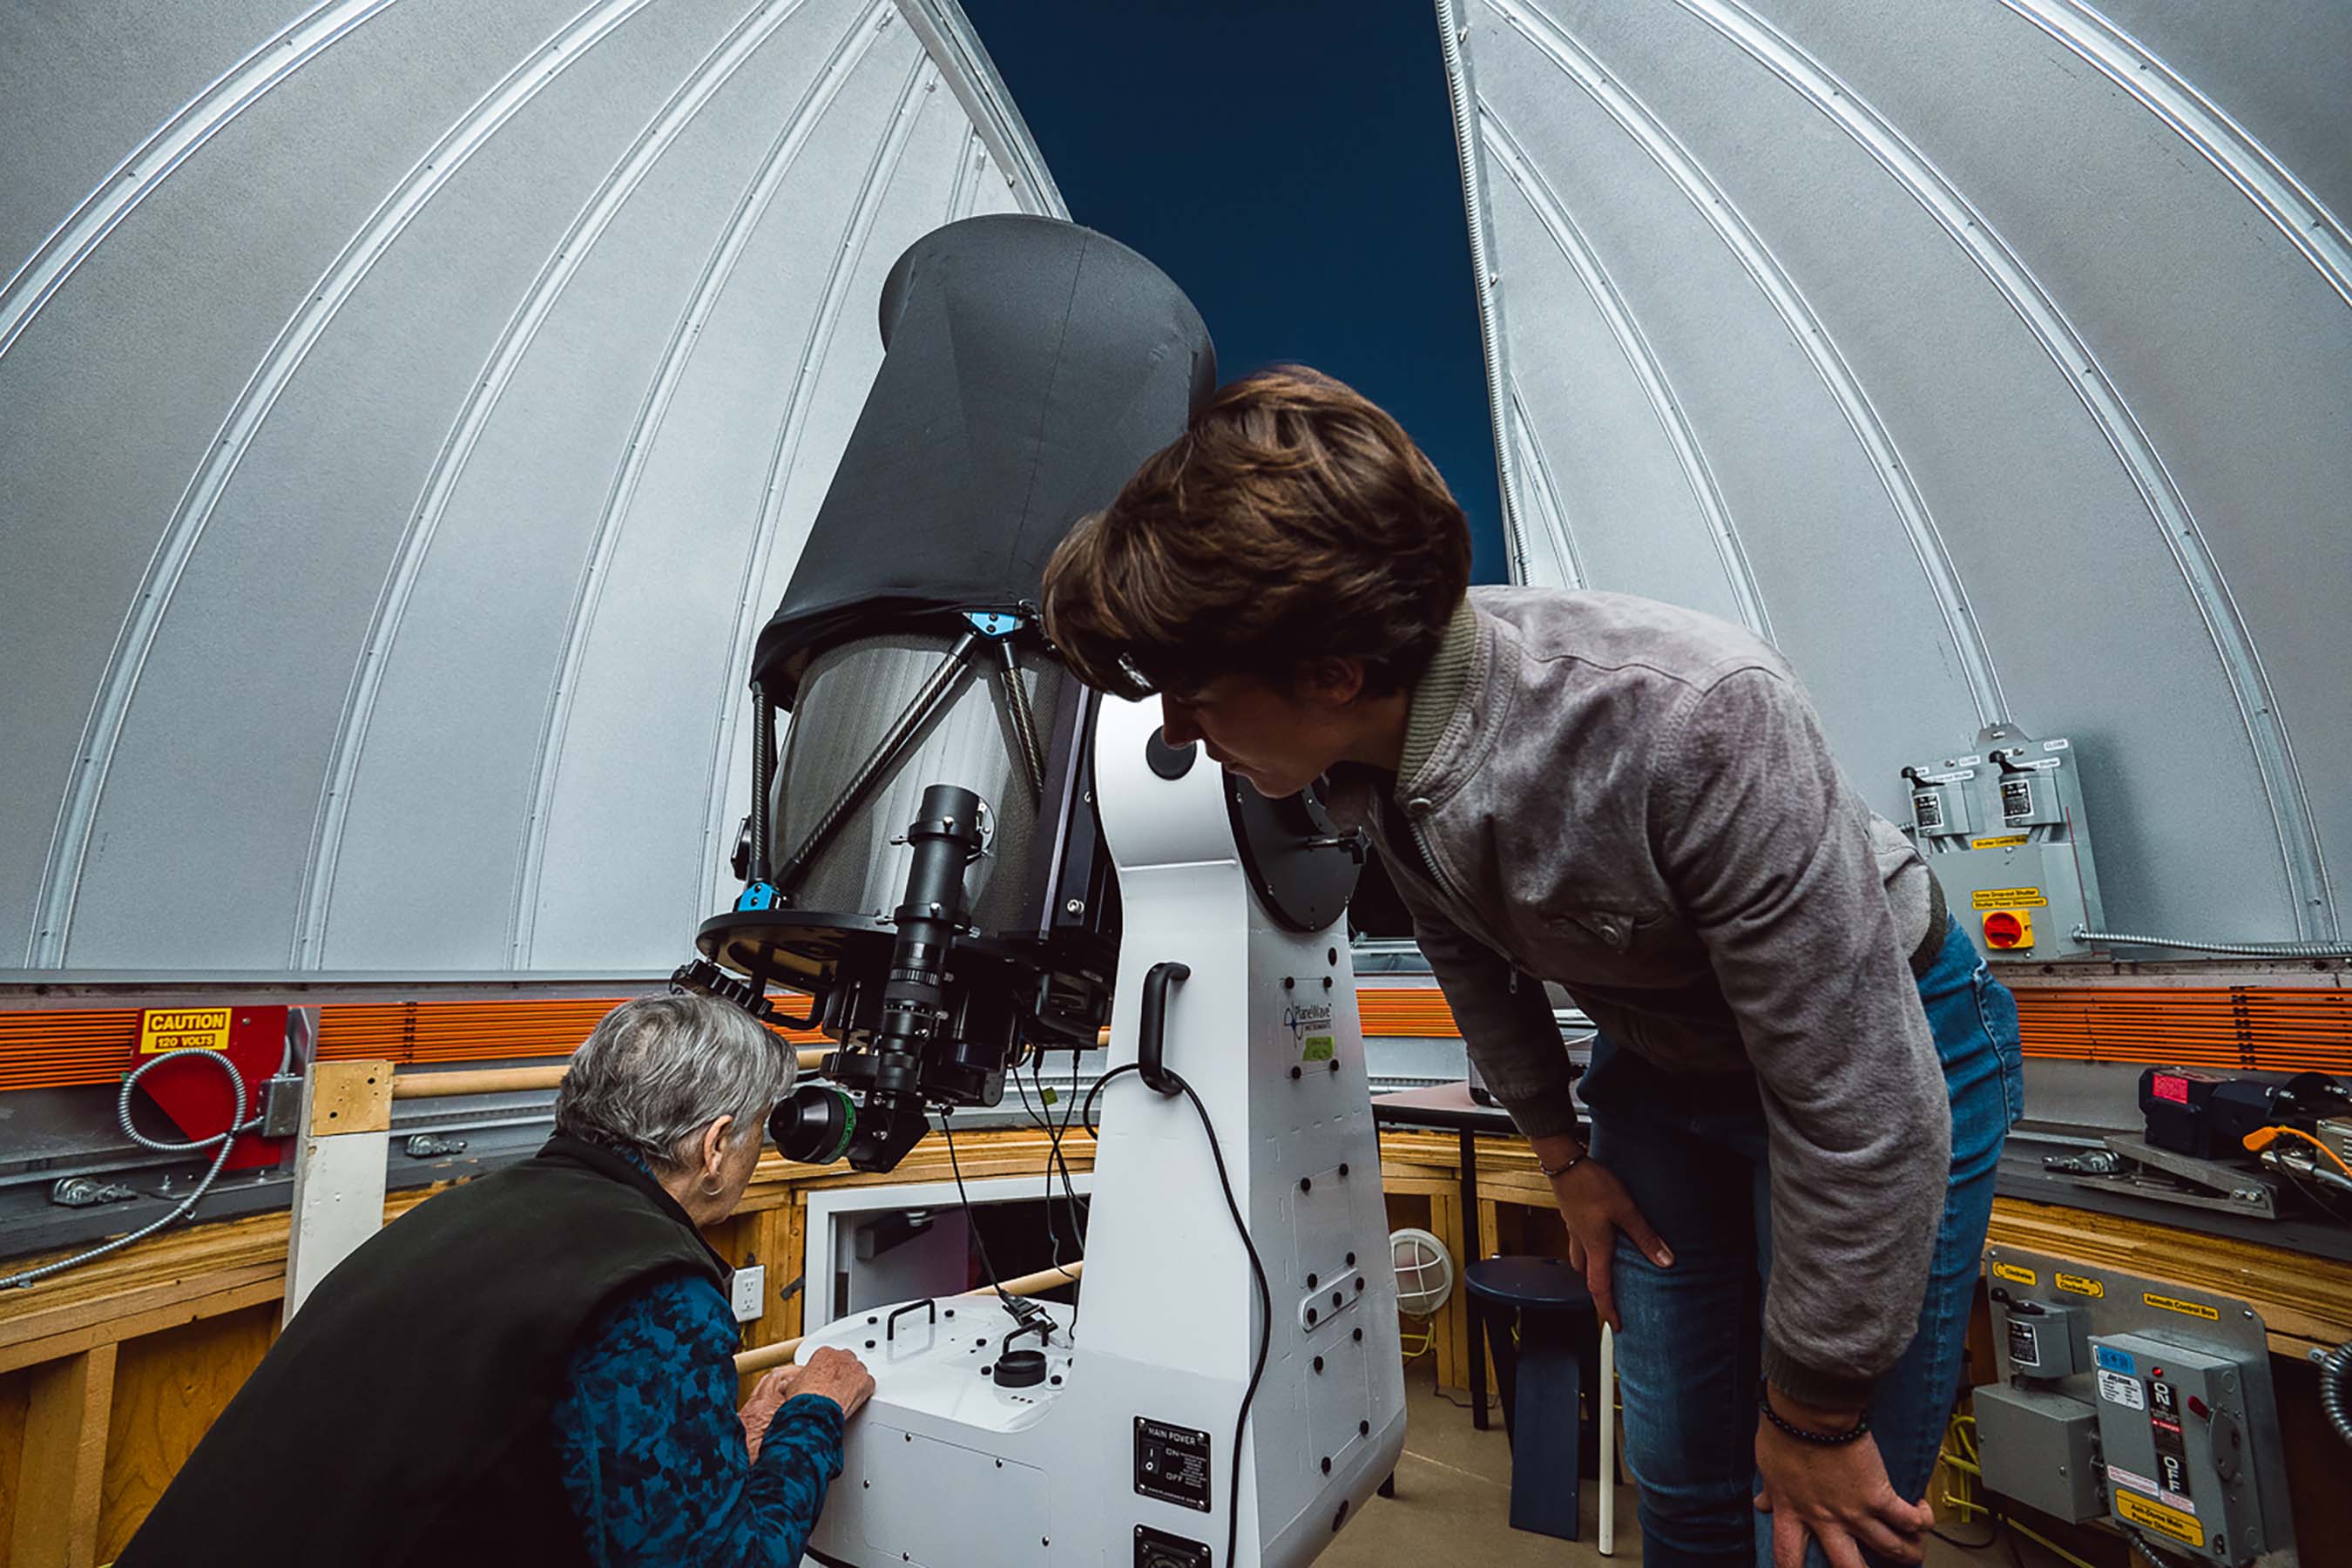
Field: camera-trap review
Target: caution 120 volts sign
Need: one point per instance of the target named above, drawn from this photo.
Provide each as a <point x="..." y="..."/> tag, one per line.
<point x="165" y="1029"/>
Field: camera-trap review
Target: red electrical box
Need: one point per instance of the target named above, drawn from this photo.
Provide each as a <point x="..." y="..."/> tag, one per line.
<point x="195" y="1095"/>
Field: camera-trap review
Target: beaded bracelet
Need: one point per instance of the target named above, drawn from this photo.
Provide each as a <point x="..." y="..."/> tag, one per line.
<point x="1806" y="1434"/>
<point x="1572" y="1161"/>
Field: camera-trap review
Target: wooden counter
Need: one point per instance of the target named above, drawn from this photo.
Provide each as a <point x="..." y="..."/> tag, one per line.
<point x="110" y="1373"/>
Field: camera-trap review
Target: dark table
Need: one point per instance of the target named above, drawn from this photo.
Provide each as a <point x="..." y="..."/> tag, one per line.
<point x="1448" y="1108"/>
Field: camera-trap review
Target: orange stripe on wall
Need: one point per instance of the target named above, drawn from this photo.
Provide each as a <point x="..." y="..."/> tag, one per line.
<point x="2234" y="1027"/>
<point x="97" y="1046"/>
<point x="1417" y="1011"/>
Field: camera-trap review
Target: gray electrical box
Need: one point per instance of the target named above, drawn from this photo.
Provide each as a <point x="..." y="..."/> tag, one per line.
<point x="2047" y="1340"/>
<point x="2143" y="1403"/>
<point x="2038" y="1447"/>
<point x="2002" y="826"/>
<point x="2173" y="1432"/>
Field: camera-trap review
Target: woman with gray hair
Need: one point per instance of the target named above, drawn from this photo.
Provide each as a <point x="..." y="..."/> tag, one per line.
<point x="544" y="1356"/>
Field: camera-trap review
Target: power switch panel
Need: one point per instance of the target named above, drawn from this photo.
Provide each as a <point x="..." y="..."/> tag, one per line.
<point x="2003" y="827"/>
<point x="1172" y="1463"/>
<point x="2036" y="1447"/>
<point x="2172" y="1429"/>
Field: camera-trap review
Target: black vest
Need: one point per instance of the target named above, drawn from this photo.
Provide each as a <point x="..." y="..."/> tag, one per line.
<point x="401" y="1417"/>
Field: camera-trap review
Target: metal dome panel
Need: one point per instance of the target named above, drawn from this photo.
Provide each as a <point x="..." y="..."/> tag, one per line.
<point x="406" y="437"/>
<point x="1988" y="357"/>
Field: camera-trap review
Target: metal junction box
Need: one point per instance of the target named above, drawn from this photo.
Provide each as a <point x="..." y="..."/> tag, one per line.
<point x="2002" y="826"/>
<point x="2048" y="1340"/>
<point x="2037" y="1447"/>
<point x="2146" y="1404"/>
<point x="2173" y="1429"/>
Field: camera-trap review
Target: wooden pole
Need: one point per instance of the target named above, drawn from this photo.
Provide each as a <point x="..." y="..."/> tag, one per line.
<point x="1036" y="1284"/>
<point x="414" y="1085"/>
<point x="59" y="1488"/>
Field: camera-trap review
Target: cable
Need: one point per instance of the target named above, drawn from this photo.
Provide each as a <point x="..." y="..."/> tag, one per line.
<point x="1069" y="1189"/>
<point x="2312" y="1183"/>
<point x="2243" y="949"/>
<point x="1055" y="1158"/>
<point x="2261" y="1138"/>
<point x="2335" y="1390"/>
<point x="1258" y="1272"/>
<point x="1963" y="1463"/>
<point x="948" y="1132"/>
<point x="226" y="1139"/>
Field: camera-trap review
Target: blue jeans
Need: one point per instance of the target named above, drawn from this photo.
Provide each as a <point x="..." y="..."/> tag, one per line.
<point x="1692" y="1155"/>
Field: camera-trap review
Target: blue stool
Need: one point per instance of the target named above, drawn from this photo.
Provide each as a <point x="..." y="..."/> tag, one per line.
<point x="1554" y="1443"/>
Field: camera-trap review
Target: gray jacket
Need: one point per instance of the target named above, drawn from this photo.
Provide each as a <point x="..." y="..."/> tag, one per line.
<point x="1636" y="801"/>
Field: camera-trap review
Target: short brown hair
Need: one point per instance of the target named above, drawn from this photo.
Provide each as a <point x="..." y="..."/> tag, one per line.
<point x="1293" y="519"/>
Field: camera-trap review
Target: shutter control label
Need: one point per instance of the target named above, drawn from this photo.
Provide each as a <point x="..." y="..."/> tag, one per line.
<point x="1172" y="1463"/>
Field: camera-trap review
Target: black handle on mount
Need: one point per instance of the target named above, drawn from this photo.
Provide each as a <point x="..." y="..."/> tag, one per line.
<point x="890" y="1324"/>
<point x="1152" y="1047"/>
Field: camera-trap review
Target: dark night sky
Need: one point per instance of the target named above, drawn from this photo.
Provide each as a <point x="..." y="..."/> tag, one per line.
<point x="1290" y="164"/>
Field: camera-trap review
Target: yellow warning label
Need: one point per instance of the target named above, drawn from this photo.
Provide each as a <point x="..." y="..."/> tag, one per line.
<point x="2010" y="899"/>
<point x="2078" y="1284"/>
<point x="2175" y="1304"/>
<point x="2013" y="1274"/>
<point x="2002" y="842"/>
<point x="2136" y="1509"/>
<point x="165" y="1029"/>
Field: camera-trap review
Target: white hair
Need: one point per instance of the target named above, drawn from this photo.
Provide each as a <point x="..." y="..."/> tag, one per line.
<point x="656" y="1072"/>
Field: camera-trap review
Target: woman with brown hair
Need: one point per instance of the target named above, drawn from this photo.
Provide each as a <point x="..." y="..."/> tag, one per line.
<point x="1804" y="1073"/>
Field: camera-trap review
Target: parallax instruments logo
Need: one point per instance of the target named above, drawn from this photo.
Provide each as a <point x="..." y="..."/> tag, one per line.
<point x="1310" y="1030"/>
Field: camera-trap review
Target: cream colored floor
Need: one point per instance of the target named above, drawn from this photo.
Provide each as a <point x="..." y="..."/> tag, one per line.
<point x="1454" y="1501"/>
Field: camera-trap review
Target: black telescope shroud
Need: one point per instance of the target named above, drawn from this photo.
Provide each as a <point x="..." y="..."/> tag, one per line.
<point x="1029" y="365"/>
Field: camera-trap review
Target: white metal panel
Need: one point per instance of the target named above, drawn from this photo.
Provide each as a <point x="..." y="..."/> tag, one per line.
<point x="119" y="386"/>
<point x="155" y="60"/>
<point x="307" y="520"/>
<point x="2015" y="358"/>
<point x="1791" y="483"/>
<point x="446" y="756"/>
<point x="419" y="323"/>
<point x="915" y="151"/>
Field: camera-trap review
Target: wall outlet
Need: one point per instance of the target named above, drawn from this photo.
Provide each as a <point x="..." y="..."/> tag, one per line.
<point x="751" y="1291"/>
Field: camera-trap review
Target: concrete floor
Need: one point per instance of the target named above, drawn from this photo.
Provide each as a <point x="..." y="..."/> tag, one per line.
<point x="1454" y="1501"/>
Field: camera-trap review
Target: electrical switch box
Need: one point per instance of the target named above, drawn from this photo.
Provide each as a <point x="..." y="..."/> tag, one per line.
<point x="2145" y="1403"/>
<point x="2047" y="1341"/>
<point x="2038" y="1446"/>
<point x="2002" y="826"/>
<point x="2174" y="1433"/>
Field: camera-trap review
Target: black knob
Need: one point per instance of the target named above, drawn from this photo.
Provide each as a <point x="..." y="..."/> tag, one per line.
<point x="1020" y="1369"/>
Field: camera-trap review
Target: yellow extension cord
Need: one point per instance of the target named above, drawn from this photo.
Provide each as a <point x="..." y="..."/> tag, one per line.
<point x="1962" y="1434"/>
